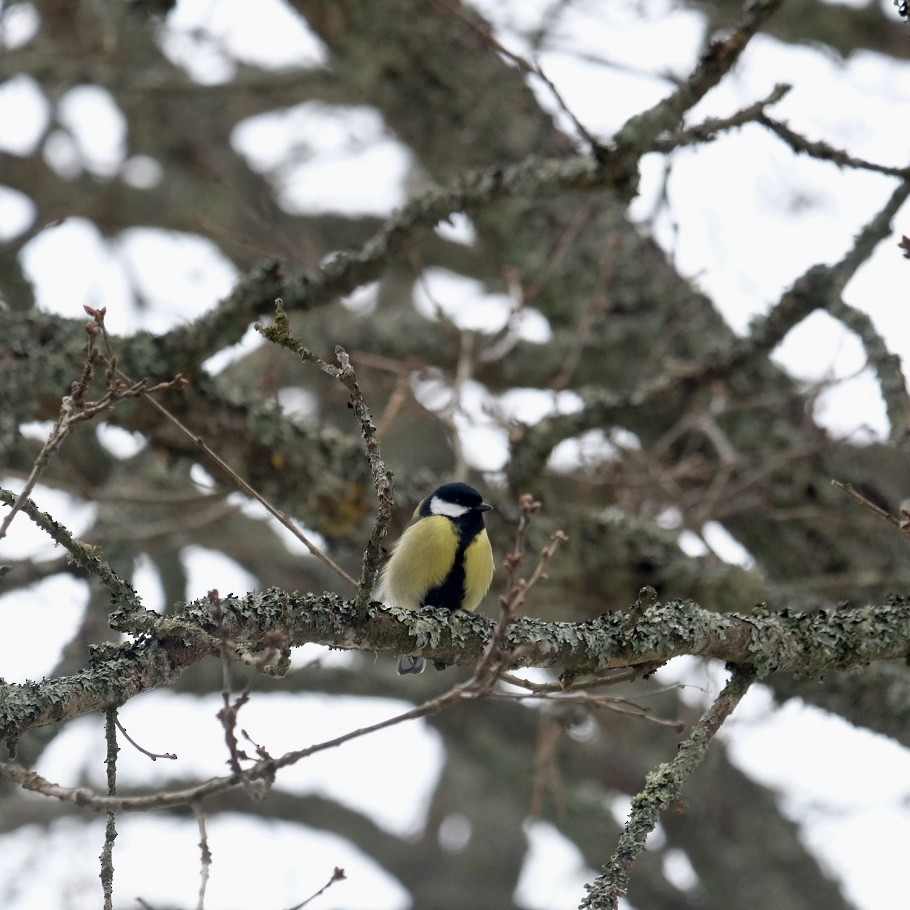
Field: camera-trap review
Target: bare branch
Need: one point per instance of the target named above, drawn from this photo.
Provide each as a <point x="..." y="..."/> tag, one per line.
<point x="644" y="129"/>
<point x="712" y="127"/>
<point x="154" y="756"/>
<point x="851" y="491"/>
<point x="110" y="829"/>
<point x="824" y="151"/>
<point x="205" y="855"/>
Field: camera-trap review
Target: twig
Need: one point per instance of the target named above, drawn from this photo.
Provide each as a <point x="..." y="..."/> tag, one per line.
<point x="205" y="856"/>
<point x="661" y="790"/>
<point x="616" y="705"/>
<point x="266" y="768"/>
<point x="822" y="151"/>
<point x="534" y="69"/>
<point x="708" y="129"/>
<point x="110" y="828"/>
<point x="82" y="796"/>
<point x="280" y="516"/>
<point x="276" y="513"/>
<point x="228" y="713"/>
<point x="83" y="555"/>
<point x="276" y="641"/>
<point x="74" y="408"/>
<point x="495" y="659"/>
<point x="382" y="479"/>
<point x="849" y="490"/>
<point x="337" y="876"/>
<point x="887" y="366"/>
<point x="604" y="678"/>
<point x="279" y="333"/>
<point x="642" y="130"/>
<point x="154" y="756"/>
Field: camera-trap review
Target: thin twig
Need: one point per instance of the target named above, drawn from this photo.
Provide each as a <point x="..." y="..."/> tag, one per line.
<point x="382" y="478"/>
<point x="205" y="855"/>
<point x="849" y="490"/>
<point x="265" y="768"/>
<point x="337" y="876"/>
<point x="276" y="642"/>
<point x="708" y="129"/>
<point x="82" y="796"/>
<point x="495" y="659"/>
<point x="486" y="33"/>
<point x="823" y="151"/>
<point x="154" y="756"/>
<point x="616" y="705"/>
<point x="279" y="333"/>
<point x="75" y="409"/>
<point x="276" y="513"/>
<point x="604" y="678"/>
<point x="110" y="828"/>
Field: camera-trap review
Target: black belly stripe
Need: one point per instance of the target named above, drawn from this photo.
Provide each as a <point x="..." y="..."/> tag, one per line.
<point x="451" y="593"/>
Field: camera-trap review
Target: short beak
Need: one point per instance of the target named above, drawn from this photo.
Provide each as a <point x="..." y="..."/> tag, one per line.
<point x="484" y="507"/>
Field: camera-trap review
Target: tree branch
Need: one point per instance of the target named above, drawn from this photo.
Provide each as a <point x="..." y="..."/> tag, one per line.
<point x="812" y="644"/>
<point x="661" y="790"/>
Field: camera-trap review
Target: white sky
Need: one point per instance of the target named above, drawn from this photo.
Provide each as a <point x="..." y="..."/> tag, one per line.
<point x="747" y="217"/>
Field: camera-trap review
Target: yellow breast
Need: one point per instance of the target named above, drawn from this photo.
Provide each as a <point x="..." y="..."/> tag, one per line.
<point x="421" y="560"/>
<point x="479" y="568"/>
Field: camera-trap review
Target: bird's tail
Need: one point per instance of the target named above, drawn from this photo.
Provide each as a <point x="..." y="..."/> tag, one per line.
<point x="411" y="666"/>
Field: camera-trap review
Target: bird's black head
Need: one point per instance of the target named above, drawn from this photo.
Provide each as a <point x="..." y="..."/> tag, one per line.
<point x="454" y="500"/>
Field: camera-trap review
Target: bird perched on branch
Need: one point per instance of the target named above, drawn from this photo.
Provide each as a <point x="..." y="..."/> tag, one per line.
<point x="443" y="560"/>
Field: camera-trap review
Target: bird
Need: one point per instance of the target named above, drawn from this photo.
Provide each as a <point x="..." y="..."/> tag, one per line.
<point x="443" y="559"/>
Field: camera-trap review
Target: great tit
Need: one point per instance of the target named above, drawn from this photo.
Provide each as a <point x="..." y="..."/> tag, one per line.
<point x="443" y="560"/>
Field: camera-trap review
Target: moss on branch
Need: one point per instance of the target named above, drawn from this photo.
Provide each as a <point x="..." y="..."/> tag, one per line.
<point x="804" y="644"/>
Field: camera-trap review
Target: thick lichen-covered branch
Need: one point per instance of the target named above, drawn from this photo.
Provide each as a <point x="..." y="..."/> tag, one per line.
<point x="809" y="644"/>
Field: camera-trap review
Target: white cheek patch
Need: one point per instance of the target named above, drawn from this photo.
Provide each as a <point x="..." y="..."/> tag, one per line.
<point x="452" y="510"/>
